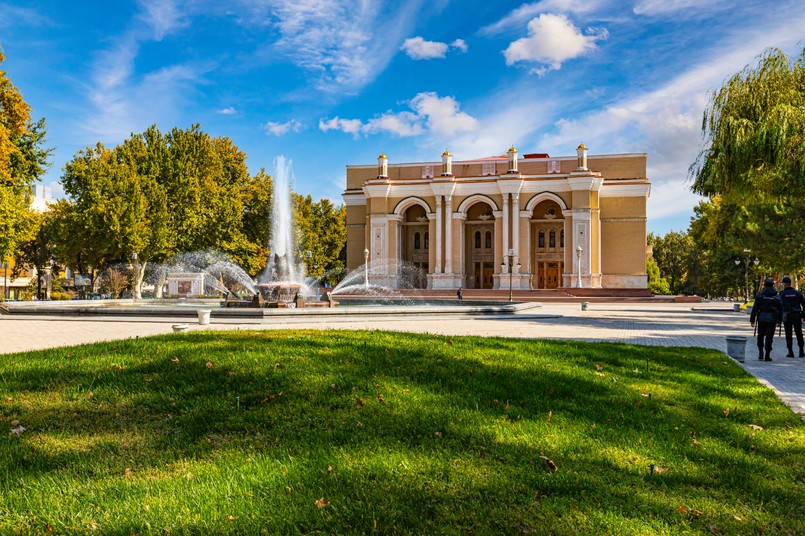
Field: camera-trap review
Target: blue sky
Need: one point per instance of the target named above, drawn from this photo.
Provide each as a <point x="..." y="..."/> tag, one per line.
<point x="329" y="83"/>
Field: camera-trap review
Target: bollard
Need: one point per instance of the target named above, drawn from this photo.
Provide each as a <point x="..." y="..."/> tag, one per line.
<point x="204" y="316"/>
<point x="736" y="347"/>
<point x="584" y="305"/>
<point x="736" y="307"/>
<point x="179" y="328"/>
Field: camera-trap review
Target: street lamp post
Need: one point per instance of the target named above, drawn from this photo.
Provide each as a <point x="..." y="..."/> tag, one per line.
<point x="579" y="251"/>
<point x="510" y="256"/>
<point x="747" y="259"/>
<point x="366" y="268"/>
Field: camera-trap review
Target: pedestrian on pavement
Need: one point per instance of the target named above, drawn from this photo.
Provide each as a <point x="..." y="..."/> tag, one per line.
<point x="768" y="310"/>
<point x="458" y="294"/>
<point x="793" y="306"/>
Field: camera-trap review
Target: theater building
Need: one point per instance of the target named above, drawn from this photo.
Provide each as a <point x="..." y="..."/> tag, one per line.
<point x="530" y="221"/>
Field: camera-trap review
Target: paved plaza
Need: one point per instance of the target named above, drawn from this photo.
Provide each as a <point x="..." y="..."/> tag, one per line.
<point x="703" y="325"/>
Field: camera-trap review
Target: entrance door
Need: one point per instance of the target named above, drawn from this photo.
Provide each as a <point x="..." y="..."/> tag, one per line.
<point x="552" y="275"/>
<point x="483" y="275"/>
<point x="488" y="275"/>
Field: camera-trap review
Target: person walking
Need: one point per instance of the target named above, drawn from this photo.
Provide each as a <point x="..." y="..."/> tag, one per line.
<point x="459" y="295"/>
<point x="793" y="306"/>
<point x="768" y="311"/>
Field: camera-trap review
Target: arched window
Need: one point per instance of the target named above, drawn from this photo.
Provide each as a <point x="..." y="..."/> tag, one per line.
<point x="562" y="238"/>
<point x="427" y="241"/>
<point x="478" y="239"/>
<point x="488" y="241"/>
<point x="541" y="239"/>
<point x="417" y="241"/>
<point x="552" y="239"/>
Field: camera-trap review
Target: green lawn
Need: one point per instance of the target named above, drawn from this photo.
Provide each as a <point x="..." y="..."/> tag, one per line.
<point x="373" y="432"/>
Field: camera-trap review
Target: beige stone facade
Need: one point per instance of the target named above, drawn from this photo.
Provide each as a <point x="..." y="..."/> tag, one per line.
<point x="549" y="221"/>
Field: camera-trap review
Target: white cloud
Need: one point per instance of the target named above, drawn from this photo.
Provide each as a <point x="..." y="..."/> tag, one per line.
<point x="403" y="124"/>
<point x="229" y="110"/>
<point x="280" y="129"/>
<point x="440" y="116"/>
<point x="519" y="16"/>
<point x="124" y="101"/>
<point x="15" y="17"/>
<point x="552" y="39"/>
<point x="343" y="45"/>
<point x="162" y="16"/>
<point x="350" y="126"/>
<point x="418" y="49"/>
<point x="460" y="44"/>
<point x="664" y="7"/>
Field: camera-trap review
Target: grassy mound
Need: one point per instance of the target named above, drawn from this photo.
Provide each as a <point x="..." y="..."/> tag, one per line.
<point x="362" y="432"/>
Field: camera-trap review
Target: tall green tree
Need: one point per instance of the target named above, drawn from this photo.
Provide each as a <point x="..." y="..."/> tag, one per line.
<point x="754" y="133"/>
<point x="23" y="160"/>
<point x="321" y="229"/>
<point x="672" y="253"/>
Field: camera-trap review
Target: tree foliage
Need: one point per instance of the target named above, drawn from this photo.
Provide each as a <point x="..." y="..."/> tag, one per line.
<point x="754" y="131"/>
<point x="321" y="229"/>
<point x="23" y="160"/>
<point x="157" y="195"/>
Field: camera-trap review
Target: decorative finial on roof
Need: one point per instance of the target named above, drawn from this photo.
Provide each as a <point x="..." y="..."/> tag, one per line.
<point x="382" y="155"/>
<point x="512" y="149"/>
<point x="582" y="146"/>
<point x="446" y="152"/>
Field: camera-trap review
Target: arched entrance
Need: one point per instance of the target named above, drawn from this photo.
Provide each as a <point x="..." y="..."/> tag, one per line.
<point x="416" y="242"/>
<point x="547" y="245"/>
<point x="479" y="245"/>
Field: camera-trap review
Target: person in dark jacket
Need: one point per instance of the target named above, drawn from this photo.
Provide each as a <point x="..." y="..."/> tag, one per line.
<point x="793" y="306"/>
<point x="768" y="311"/>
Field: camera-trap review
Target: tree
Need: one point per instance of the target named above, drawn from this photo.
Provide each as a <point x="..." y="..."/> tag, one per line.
<point x="37" y="253"/>
<point x="321" y="229"/>
<point x="656" y="283"/>
<point x="671" y="253"/>
<point x="22" y="161"/>
<point x="754" y="131"/>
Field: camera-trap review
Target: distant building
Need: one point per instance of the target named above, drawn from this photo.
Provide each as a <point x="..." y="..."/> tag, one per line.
<point x="553" y="221"/>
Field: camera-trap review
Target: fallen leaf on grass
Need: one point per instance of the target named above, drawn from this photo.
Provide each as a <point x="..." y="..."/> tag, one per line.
<point x="755" y="427"/>
<point x="645" y="394"/>
<point x="230" y="517"/>
<point x="696" y="443"/>
<point x="231" y="373"/>
<point x="549" y="461"/>
<point x="94" y="526"/>
<point x="48" y="527"/>
<point x="438" y="434"/>
<point x="127" y="472"/>
<point x="381" y="399"/>
<point x="737" y="518"/>
<point x="600" y="374"/>
<point x="15" y="422"/>
<point x="329" y="468"/>
<point x="599" y="366"/>
<point x="321" y="503"/>
<point x="359" y="401"/>
<point x="175" y="359"/>
<point x="333" y="386"/>
<point x="726" y="412"/>
<point x="209" y="364"/>
<point x="18" y="430"/>
<point x="550" y="414"/>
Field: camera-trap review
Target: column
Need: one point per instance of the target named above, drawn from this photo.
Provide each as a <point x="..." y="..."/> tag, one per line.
<point x="515" y="217"/>
<point x="506" y="219"/>
<point x="448" y="211"/>
<point x="438" y="238"/>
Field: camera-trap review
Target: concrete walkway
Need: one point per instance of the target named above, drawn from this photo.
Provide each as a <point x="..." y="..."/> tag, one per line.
<point x="701" y="325"/>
